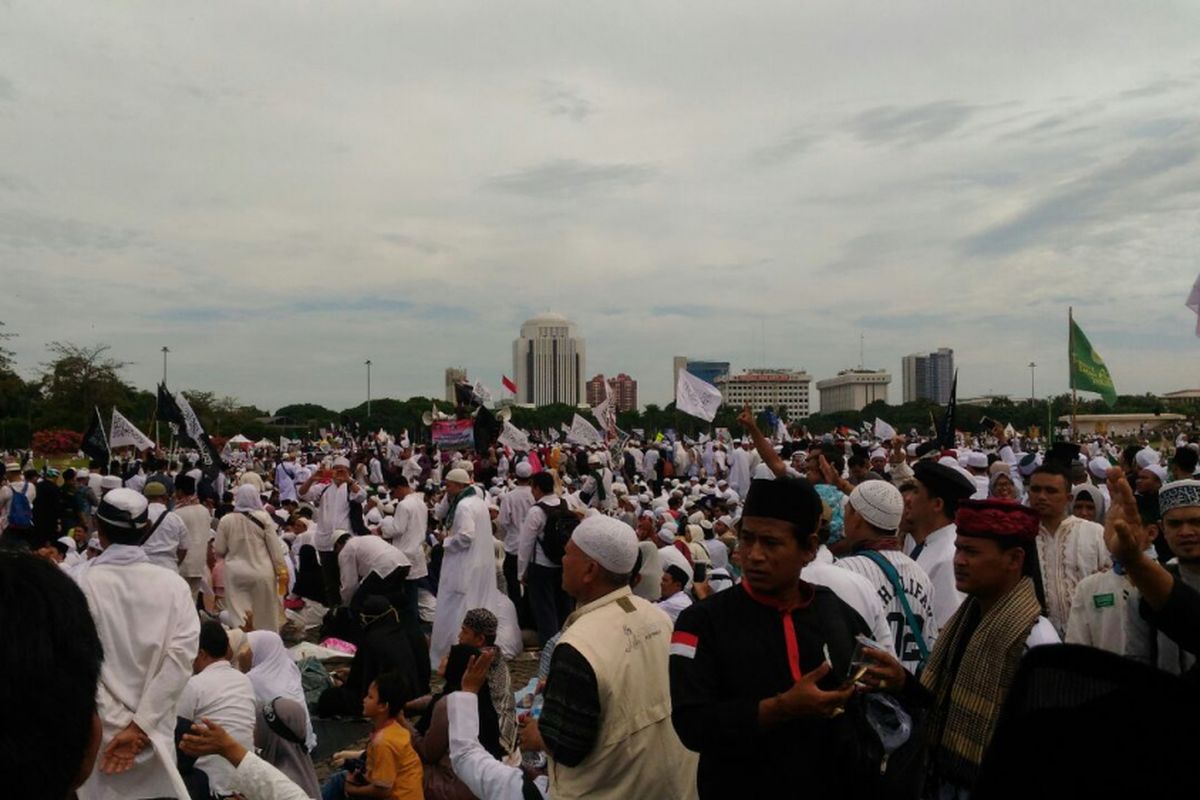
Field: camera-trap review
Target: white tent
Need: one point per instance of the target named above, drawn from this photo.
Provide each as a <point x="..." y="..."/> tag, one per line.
<point x="265" y="443"/>
<point x="239" y="439"/>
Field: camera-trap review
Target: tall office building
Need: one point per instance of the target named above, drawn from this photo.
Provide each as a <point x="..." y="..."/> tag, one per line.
<point x="928" y="377"/>
<point x="853" y="389"/>
<point x="624" y="391"/>
<point x="549" y="360"/>
<point x="707" y="371"/>
<point x="454" y="376"/>
<point x="763" y="386"/>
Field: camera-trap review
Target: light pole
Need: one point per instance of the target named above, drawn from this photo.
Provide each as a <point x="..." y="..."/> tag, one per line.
<point x="368" y="363"/>
<point x="165" y="350"/>
<point x="1032" y="384"/>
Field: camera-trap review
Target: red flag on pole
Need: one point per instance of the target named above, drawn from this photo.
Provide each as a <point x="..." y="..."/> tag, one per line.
<point x="508" y="384"/>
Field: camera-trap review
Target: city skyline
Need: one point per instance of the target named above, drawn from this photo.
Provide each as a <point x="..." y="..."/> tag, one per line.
<point x="280" y="208"/>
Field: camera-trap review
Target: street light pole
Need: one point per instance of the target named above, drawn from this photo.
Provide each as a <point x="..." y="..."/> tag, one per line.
<point x="165" y="350"/>
<point x="1032" y="384"/>
<point x="368" y="363"/>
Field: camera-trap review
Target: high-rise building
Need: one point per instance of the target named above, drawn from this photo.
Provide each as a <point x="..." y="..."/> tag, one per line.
<point x="764" y="386"/>
<point x="454" y="376"/>
<point x="596" y="391"/>
<point x="624" y="391"/>
<point x="928" y="376"/>
<point x="707" y="371"/>
<point x="853" y="389"/>
<point x="549" y="360"/>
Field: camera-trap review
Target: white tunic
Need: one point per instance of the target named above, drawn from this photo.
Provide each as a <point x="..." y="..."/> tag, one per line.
<point x="363" y="555"/>
<point x="171" y="536"/>
<point x="856" y="592"/>
<point x="198" y="521"/>
<point x="675" y="604"/>
<point x="468" y="581"/>
<point x="220" y="692"/>
<point x="149" y="631"/>
<point x="937" y="559"/>
<point x="918" y="591"/>
<point x="513" y="508"/>
<point x="410" y="524"/>
<point x="1067" y="556"/>
<point x="1097" y="617"/>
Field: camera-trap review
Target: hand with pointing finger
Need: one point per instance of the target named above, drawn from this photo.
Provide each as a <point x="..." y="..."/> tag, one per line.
<point x="806" y="699"/>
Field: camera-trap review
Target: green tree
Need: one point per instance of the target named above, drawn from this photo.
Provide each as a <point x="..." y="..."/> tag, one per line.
<point x="79" y="378"/>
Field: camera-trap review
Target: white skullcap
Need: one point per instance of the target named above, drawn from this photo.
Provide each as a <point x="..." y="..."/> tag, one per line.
<point x="878" y="452"/>
<point x="667" y="532"/>
<point x="110" y="482"/>
<point x="524" y="470"/>
<point x="644" y="498"/>
<point x="1159" y="471"/>
<point x="1146" y="457"/>
<point x="609" y="542"/>
<point x="911" y="450"/>
<point x="458" y="475"/>
<point x="670" y="556"/>
<point x="341" y="461"/>
<point x="694" y="519"/>
<point x="880" y="503"/>
<point x="467" y="465"/>
<point x="123" y="508"/>
<point x="619" y="488"/>
<point x="962" y="458"/>
<point x="977" y="460"/>
<point x="1099" y="466"/>
<point x="726" y="520"/>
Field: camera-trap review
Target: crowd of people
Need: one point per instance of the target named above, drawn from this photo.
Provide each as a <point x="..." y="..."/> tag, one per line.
<point x="714" y="617"/>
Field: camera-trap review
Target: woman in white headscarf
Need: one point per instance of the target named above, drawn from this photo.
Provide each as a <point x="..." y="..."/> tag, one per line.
<point x="254" y="561"/>
<point x="274" y="674"/>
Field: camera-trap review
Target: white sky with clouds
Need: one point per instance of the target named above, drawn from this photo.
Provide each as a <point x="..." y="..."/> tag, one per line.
<point x="279" y="191"/>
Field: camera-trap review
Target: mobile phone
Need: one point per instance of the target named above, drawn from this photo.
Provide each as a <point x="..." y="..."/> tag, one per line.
<point x="701" y="572"/>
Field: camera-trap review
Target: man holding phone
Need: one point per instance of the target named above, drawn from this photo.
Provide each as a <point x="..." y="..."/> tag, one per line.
<point x="331" y="490"/>
<point x="759" y="673"/>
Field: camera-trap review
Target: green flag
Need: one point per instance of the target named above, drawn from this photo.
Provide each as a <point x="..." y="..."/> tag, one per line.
<point x="1088" y="372"/>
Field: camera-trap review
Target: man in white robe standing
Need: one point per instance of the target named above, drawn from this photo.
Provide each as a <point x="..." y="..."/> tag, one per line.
<point x="150" y="632"/>
<point x="468" y="578"/>
<point x="741" y="468"/>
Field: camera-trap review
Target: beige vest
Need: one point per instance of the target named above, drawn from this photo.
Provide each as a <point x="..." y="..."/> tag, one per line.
<point x="637" y="753"/>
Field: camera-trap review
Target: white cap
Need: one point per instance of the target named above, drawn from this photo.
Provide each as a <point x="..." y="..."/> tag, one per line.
<point x="1159" y="471"/>
<point x="977" y="460"/>
<point x="458" y="475"/>
<point x="609" y="542"/>
<point x="341" y="461"/>
<point x="670" y="556"/>
<point x="667" y="532"/>
<point x="524" y="470"/>
<point x="1146" y="457"/>
<point x="880" y="503"/>
<point x="1099" y="466"/>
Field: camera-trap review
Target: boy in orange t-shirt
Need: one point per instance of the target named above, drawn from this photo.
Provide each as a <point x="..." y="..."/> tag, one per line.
<point x="393" y="769"/>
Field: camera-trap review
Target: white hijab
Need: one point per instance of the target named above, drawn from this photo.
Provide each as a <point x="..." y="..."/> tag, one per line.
<point x="247" y="498"/>
<point x="274" y="674"/>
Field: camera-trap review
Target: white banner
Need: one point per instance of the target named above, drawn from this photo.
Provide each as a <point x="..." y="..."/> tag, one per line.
<point x="124" y="433"/>
<point x="883" y="431"/>
<point x="584" y="432"/>
<point x="482" y="392"/>
<point x="696" y="397"/>
<point x="514" y="438"/>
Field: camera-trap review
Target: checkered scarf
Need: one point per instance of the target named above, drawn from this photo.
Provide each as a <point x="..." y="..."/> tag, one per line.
<point x="968" y="695"/>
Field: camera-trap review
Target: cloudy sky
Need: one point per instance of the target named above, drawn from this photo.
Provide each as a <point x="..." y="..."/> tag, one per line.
<point x="279" y="191"/>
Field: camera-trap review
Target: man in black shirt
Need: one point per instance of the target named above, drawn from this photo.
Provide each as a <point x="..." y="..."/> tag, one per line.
<point x="759" y="673"/>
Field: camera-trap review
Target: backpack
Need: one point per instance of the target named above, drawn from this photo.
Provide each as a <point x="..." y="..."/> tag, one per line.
<point x="20" y="510"/>
<point x="560" y="524"/>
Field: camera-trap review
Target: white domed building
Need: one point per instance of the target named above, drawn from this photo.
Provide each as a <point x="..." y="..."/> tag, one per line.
<point x="549" y="361"/>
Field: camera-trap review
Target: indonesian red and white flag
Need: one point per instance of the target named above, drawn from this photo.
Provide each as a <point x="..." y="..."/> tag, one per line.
<point x="508" y="383"/>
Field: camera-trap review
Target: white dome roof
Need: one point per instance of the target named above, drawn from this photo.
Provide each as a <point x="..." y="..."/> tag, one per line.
<point x="549" y="317"/>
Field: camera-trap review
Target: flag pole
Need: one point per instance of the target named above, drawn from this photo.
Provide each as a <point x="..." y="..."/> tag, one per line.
<point x="1071" y="367"/>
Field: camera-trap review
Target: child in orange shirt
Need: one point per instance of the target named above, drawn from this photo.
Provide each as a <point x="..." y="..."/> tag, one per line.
<point x="393" y="769"/>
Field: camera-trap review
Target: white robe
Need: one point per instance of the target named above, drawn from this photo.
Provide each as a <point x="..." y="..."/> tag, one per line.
<point x="1067" y="556"/>
<point x="468" y="581"/>
<point x="937" y="559"/>
<point x="739" y="472"/>
<point x="150" y="632"/>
